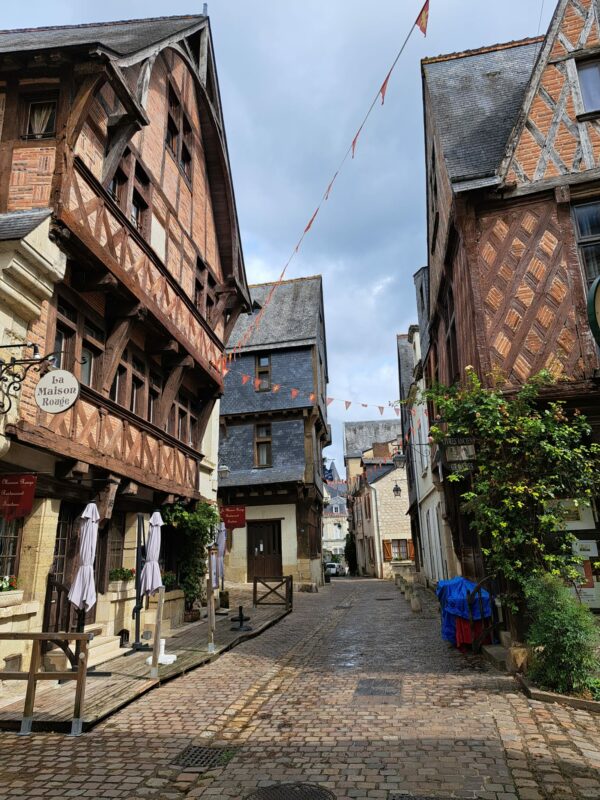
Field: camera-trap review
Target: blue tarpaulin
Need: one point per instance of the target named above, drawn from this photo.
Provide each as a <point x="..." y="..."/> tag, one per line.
<point x="452" y="595"/>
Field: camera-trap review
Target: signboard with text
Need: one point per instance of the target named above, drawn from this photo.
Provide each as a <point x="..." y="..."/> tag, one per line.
<point x="57" y="391"/>
<point x="16" y="495"/>
<point x="233" y="516"/>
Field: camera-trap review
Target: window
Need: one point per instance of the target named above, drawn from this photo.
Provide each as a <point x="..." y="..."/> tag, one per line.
<point x="78" y="341"/>
<point x="41" y="119"/>
<point x="395" y="549"/>
<point x="262" y="438"/>
<point x="587" y="220"/>
<point x="154" y="392"/>
<point x="118" y="390"/>
<point x="185" y="159"/>
<point x="179" y="137"/>
<point x="138" y="211"/>
<point x="10" y="542"/>
<point x="451" y="340"/>
<point x="183" y="420"/>
<point x="433" y="200"/>
<point x="117" y="186"/>
<point x="116" y="541"/>
<point x="589" y="81"/>
<point x="263" y="373"/>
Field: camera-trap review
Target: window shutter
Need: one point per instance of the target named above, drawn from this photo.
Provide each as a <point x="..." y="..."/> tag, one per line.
<point x="411" y="550"/>
<point x="387" y="550"/>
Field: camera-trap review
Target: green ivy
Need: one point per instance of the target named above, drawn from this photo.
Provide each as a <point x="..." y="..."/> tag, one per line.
<point x="530" y="455"/>
<point x="197" y="525"/>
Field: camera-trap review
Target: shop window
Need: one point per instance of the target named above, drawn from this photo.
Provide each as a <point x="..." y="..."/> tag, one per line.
<point x="587" y="224"/>
<point x="263" y="445"/>
<point x="116" y="541"/>
<point x="10" y="546"/>
<point x="40" y="118"/>
<point x="263" y="373"/>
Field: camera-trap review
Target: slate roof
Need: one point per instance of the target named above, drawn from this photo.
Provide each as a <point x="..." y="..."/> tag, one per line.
<point x="290" y="318"/>
<point x="17" y="224"/>
<point x="475" y="99"/>
<point x="360" y="436"/>
<point x="256" y="477"/>
<point x="123" y="38"/>
<point x="405" y="364"/>
<point x="421" y="279"/>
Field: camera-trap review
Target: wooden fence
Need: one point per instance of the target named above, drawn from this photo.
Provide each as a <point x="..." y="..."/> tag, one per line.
<point x="274" y="592"/>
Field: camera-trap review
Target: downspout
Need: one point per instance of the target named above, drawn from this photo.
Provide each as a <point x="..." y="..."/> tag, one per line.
<point x="379" y="556"/>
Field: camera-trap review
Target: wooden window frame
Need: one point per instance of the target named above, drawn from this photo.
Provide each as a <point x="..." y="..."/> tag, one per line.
<point x="17" y="537"/>
<point x="179" y="134"/>
<point x="264" y="439"/>
<point x="28" y="96"/>
<point x="583" y="241"/>
<point x="78" y="330"/>
<point x="262" y="373"/>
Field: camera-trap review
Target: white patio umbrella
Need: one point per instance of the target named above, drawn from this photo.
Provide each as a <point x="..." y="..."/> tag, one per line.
<point x="150" y="580"/>
<point x="83" y="591"/>
<point x="222" y="545"/>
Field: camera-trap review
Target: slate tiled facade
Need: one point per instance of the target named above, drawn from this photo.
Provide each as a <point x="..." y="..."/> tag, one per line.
<point x="283" y="497"/>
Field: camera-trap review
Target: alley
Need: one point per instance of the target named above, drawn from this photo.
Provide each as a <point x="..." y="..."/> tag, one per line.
<point x="352" y="692"/>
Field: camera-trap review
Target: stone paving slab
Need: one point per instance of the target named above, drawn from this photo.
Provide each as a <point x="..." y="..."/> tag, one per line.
<point x="285" y="705"/>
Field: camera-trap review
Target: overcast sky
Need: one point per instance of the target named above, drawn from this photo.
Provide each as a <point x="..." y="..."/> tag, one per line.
<point x="296" y="80"/>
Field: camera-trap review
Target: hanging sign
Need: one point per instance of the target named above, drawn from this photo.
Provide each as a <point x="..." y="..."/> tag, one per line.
<point x="57" y="391"/>
<point x="233" y="516"/>
<point x="16" y="495"/>
<point x="593" y="309"/>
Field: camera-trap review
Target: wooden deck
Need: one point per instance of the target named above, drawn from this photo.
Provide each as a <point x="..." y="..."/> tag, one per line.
<point x="129" y="675"/>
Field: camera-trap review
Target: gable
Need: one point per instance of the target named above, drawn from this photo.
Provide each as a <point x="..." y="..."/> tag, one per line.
<point x="551" y="138"/>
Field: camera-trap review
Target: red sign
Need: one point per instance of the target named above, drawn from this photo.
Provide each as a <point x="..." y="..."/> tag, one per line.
<point x="233" y="516"/>
<point x="16" y="495"/>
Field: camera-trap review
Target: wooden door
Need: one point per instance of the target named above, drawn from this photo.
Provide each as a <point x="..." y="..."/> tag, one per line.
<point x="264" y="550"/>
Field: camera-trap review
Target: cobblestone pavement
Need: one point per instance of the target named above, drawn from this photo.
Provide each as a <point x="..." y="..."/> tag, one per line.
<point x="353" y="692"/>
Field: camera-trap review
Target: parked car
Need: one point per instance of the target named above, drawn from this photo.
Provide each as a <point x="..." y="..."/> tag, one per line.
<point x="333" y="569"/>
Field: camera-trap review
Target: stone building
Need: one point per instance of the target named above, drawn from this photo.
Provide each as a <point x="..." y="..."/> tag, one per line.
<point x="513" y="160"/>
<point x="378" y="498"/>
<point x="119" y="254"/>
<point x="273" y="430"/>
<point x="335" y="519"/>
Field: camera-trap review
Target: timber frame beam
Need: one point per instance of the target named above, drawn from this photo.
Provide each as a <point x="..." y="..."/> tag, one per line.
<point x="171" y="388"/>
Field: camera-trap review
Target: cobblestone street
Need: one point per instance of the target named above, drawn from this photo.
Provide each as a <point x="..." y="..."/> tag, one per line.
<point x="353" y="692"/>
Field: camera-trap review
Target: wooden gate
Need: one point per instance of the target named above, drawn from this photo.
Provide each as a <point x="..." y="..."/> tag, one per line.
<point x="274" y="592"/>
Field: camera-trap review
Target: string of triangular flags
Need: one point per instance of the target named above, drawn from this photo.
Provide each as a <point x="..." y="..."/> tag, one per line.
<point x="421" y="23"/>
<point x="257" y="384"/>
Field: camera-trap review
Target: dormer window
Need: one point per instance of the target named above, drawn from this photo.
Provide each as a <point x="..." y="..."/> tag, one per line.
<point x="589" y="81"/>
<point x="41" y="119"/>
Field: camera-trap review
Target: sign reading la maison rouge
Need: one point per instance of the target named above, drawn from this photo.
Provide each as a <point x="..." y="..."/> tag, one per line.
<point x="57" y="391"/>
<point x="233" y="516"/>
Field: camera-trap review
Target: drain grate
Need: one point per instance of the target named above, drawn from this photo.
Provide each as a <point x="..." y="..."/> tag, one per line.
<point x="204" y="757"/>
<point x="384" y="599"/>
<point x="292" y="791"/>
<point x="342" y="607"/>
<point x="378" y="687"/>
<point x="412" y="797"/>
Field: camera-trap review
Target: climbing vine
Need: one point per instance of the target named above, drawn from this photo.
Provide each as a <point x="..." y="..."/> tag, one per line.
<point x="534" y="463"/>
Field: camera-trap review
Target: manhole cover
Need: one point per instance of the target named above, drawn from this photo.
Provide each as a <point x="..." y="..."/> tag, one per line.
<point x="378" y="687"/>
<point x="204" y="757"/>
<point x="292" y="791"/>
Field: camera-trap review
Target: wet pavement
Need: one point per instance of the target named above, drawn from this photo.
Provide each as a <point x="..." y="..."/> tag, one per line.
<point x="353" y="692"/>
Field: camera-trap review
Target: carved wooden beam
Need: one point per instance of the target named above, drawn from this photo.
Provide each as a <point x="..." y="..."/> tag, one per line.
<point x="130" y="489"/>
<point x="71" y="469"/>
<point x="119" y="135"/>
<point x="204" y="417"/>
<point x="81" y="105"/>
<point x="171" y="388"/>
<point x="116" y="344"/>
<point x="105" y="499"/>
<point x="230" y="324"/>
<point x="161" y="346"/>
<point x="90" y="281"/>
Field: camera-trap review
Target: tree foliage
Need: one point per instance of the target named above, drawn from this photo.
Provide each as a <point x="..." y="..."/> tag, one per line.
<point x="197" y="525"/>
<point x="531" y="457"/>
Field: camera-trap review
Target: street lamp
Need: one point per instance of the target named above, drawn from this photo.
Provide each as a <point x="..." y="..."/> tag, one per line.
<point x="397" y="490"/>
<point x="223" y="471"/>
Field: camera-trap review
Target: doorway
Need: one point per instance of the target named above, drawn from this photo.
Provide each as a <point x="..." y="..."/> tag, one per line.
<point x="264" y="550"/>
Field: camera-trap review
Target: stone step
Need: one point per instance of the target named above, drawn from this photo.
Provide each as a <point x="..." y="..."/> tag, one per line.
<point x="496" y="654"/>
<point x="505" y="639"/>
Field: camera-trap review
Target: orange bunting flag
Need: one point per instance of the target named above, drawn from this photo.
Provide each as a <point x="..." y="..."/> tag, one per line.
<point x="294" y="393"/>
<point x="381" y="409"/>
<point x="312" y="219"/>
<point x="329" y="401"/>
<point x="397" y="410"/>
<point x="330" y="187"/>
<point x="423" y="19"/>
<point x="224" y="372"/>
<point x="257" y="383"/>
<point x="355" y="141"/>
<point x="245" y="379"/>
<point x="312" y="397"/>
<point x="276" y="387"/>
<point x="384" y="86"/>
<point x="426" y="413"/>
<point x="347" y="403"/>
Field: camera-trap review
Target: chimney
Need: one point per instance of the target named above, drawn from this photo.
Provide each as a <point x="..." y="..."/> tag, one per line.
<point x="205" y="10"/>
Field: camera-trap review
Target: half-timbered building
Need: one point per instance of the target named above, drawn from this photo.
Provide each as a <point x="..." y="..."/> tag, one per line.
<point x="119" y="253"/>
<point x="513" y="191"/>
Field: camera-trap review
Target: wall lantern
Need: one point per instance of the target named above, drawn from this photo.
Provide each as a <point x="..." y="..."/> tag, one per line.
<point x="397" y="490"/>
<point x="223" y="471"/>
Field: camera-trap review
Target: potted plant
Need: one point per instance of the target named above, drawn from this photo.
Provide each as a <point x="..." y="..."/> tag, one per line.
<point x="169" y="580"/>
<point x="10" y="594"/>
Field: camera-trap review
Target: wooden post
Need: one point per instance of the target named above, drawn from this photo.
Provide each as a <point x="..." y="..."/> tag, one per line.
<point x="34" y="665"/>
<point x="157" y="626"/>
<point x="77" y="723"/>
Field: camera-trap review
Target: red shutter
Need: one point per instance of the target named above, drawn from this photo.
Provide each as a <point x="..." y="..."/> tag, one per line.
<point x="411" y="550"/>
<point x="387" y="550"/>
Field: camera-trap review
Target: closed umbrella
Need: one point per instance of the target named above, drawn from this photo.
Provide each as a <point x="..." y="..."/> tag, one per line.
<point x="150" y="581"/>
<point x="222" y="545"/>
<point x="83" y="591"/>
